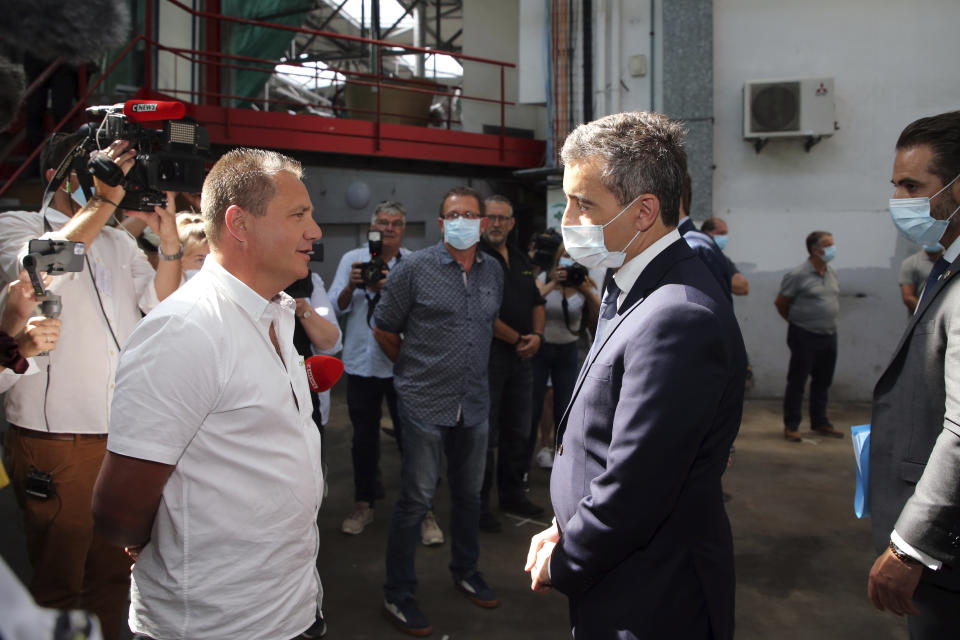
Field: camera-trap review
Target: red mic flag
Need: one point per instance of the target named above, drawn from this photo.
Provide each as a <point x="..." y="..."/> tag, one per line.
<point x="152" y="110"/>
<point x="323" y="372"/>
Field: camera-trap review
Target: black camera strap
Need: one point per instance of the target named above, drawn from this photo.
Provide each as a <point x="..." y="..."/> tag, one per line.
<point x="565" y="306"/>
<point x="372" y="302"/>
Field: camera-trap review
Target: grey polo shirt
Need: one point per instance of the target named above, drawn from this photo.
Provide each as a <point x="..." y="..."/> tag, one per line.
<point x="446" y="316"/>
<point x="816" y="298"/>
<point x="915" y="269"/>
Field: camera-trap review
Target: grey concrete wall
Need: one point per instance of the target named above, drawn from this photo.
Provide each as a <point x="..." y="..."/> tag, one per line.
<point x="687" y="68"/>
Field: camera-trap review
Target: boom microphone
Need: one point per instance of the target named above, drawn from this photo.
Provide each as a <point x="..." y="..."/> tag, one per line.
<point x="152" y="110"/>
<point x="77" y="31"/>
<point x="323" y="372"/>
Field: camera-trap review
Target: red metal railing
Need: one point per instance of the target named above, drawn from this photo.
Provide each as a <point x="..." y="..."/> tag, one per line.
<point x="213" y="61"/>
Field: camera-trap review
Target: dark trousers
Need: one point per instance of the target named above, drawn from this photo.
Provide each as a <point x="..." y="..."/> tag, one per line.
<point x="511" y="400"/>
<point x="939" y="613"/>
<point x="812" y="355"/>
<point x="560" y="363"/>
<point x="364" y="403"/>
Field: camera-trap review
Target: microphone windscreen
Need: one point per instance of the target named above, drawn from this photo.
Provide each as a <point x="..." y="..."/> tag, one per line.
<point x="323" y="372"/>
<point x="78" y="31"/>
<point x="152" y="110"/>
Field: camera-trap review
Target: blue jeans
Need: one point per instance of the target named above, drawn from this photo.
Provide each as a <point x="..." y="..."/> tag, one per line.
<point x="423" y="446"/>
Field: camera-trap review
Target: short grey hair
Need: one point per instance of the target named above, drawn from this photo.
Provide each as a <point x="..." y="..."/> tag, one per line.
<point x="498" y="198"/>
<point x="242" y="177"/>
<point x="639" y="152"/>
<point x="388" y="206"/>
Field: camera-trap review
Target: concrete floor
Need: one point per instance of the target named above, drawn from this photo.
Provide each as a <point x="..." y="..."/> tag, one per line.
<point x="802" y="557"/>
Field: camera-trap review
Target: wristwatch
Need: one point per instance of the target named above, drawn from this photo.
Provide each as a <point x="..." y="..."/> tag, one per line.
<point x="171" y="258"/>
<point x="903" y="557"/>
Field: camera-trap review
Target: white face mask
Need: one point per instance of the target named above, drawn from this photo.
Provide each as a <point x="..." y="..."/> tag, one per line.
<point x="585" y="244"/>
<point x="912" y="217"/>
<point x="189" y="273"/>
<point x="461" y="233"/>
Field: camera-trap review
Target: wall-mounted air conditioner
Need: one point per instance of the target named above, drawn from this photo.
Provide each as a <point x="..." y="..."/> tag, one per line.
<point x="788" y="108"/>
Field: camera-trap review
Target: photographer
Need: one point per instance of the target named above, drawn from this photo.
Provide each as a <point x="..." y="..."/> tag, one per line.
<point x="58" y="418"/>
<point x="572" y="305"/>
<point x="369" y="371"/>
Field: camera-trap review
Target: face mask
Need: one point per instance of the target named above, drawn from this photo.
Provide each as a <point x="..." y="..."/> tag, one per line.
<point x="933" y="248"/>
<point x="585" y="244"/>
<point x="721" y="242"/>
<point x="77" y="194"/>
<point x="829" y="253"/>
<point x="189" y="273"/>
<point x="912" y="217"/>
<point x="565" y="262"/>
<point x="461" y="233"/>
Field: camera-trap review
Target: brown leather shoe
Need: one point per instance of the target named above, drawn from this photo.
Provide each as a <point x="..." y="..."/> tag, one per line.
<point x="792" y="435"/>
<point x="827" y="430"/>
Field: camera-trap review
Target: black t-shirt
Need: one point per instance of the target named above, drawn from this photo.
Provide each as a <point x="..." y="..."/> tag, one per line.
<point x="520" y="293"/>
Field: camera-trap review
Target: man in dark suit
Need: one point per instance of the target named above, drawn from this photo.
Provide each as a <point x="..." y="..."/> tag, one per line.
<point x="915" y="439"/>
<point x="641" y="543"/>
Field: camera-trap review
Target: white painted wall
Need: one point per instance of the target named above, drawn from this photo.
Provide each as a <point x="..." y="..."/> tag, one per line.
<point x="490" y="30"/>
<point x="176" y="29"/>
<point x="893" y="62"/>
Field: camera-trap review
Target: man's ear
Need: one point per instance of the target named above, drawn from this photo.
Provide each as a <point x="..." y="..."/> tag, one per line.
<point x="649" y="211"/>
<point x="235" y="221"/>
<point x="49" y="173"/>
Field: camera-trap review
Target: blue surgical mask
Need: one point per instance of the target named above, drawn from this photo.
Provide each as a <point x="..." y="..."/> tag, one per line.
<point x="189" y="273"/>
<point x="829" y="253"/>
<point x="721" y="242"/>
<point x="912" y="217"/>
<point x="585" y="244"/>
<point x="461" y="233"/>
<point x="76" y="194"/>
<point x="933" y="248"/>
<point x="565" y="262"/>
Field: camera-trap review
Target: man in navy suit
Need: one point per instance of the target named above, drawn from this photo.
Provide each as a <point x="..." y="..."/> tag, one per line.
<point x="641" y="543"/>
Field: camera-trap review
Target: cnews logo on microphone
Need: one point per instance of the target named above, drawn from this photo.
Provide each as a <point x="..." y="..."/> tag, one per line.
<point x="143" y="107"/>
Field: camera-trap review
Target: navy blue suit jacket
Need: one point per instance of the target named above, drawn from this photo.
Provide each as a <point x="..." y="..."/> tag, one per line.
<point x="645" y="549"/>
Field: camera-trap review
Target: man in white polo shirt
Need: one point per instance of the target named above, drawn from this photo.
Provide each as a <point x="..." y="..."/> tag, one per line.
<point x="212" y="476"/>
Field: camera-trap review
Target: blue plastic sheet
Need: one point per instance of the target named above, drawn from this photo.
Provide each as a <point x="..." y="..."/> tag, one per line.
<point x="860" y="435"/>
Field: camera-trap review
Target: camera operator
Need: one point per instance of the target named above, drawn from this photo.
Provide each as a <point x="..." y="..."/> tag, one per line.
<point x="58" y="418"/>
<point x="369" y="371"/>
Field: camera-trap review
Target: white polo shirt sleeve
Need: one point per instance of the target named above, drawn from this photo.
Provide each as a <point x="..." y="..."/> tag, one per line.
<point x="168" y="380"/>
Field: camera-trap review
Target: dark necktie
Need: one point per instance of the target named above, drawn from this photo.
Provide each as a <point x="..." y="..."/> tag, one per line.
<point x="938" y="268"/>
<point x="608" y="309"/>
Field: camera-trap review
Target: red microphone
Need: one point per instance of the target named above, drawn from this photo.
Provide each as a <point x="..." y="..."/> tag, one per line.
<point x="152" y="110"/>
<point x="323" y="372"/>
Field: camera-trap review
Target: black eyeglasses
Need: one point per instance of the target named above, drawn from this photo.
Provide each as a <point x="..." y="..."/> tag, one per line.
<point x="469" y="215"/>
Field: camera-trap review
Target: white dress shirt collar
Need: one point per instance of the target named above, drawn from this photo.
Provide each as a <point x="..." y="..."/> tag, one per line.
<point x="626" y="276"/>
<point x="249" y="300"/>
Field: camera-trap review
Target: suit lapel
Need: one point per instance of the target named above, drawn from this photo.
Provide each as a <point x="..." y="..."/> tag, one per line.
<point x="649" y="279"/>
<point x="925" y="301"/>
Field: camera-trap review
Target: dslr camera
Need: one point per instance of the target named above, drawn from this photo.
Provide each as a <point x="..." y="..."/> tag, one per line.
<point x="372" y="272"/>
<point x="576" y="274"/>
<point x="169" y="158"/>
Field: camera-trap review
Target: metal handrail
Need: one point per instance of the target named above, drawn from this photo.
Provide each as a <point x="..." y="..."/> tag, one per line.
<point x="72" y="112"/>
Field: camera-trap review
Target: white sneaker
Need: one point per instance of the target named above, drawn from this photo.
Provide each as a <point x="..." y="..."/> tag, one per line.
<point x="360" y="518"/>
<point x="430" y="533"/>
<point x="545" y="458"/>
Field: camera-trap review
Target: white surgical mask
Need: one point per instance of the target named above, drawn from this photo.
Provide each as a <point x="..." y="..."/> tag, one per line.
<point x="912" y="217"/>
<point x="585" y="244"/>
<point x="461" y="233"/>
<point x="565" y="262"/>
<point x="189" y="273"/>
